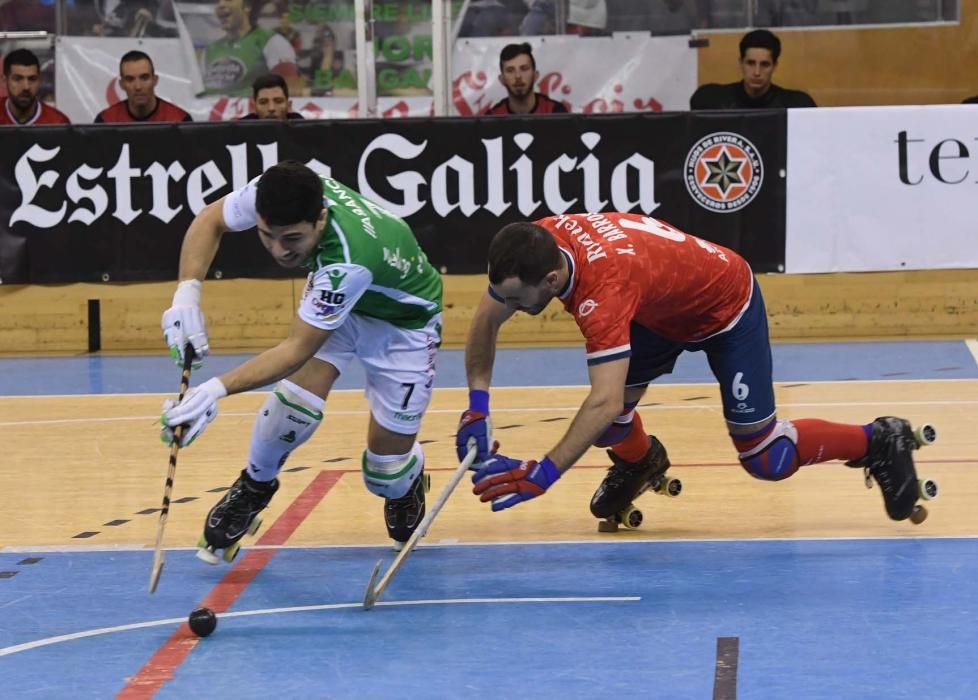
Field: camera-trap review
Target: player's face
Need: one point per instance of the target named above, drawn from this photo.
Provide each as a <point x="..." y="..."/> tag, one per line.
<point x="518" y="76"/>
<point x="291" y="244"/>
<point x="138" y="81"/>
<point x="23" y="84"/>
<point x="271" y="103"/>
<point x="529" y="298"/>
<point x="231" y="13"/>
<point x="757" y="65"/>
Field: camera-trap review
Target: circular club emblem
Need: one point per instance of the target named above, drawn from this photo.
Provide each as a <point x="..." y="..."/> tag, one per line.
<point x="724" y="172"/>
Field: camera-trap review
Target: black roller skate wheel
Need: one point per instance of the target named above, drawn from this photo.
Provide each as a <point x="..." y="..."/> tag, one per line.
<point x="674" y="487"/>
<point x="928" y="489"/>
<point x="632" y="518"/>
<point x="919" y="515"/>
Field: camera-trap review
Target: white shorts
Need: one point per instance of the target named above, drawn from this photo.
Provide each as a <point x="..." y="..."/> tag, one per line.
<point x="399" y="364"/>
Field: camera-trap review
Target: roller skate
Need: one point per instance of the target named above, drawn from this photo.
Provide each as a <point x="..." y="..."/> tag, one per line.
<point x="613" y="503"/>
<point x="403" y="515"/>
<point x="234" y="516"/>
<point x="889" y="461"/>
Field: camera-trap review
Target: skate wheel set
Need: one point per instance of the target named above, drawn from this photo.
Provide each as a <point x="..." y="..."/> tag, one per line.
<point x="927" y="489"/>
<point x="631" y="517"/>
<point x="207" y="553"/>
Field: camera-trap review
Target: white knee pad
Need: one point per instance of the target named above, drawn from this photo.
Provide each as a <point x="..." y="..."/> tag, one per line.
<point x="391" y="476"/>
<point x="289" y="417"/>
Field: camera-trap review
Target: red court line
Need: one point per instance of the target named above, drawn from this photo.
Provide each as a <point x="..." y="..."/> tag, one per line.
<point x="163" y="664"/>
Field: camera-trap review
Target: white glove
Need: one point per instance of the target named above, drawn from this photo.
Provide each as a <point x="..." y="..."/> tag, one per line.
<point x="198" y="408"/>
<point x="184" y="323"/>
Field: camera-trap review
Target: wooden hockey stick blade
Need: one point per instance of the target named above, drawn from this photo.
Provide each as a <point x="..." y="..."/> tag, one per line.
<point x="373" y="592"/>
<point x="369" y="597"/>
<point x="154" y="576"/>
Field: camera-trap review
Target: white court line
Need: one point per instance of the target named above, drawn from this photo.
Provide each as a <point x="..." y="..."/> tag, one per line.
<point x="972" y="346"/>
<point x="454" y="542"/>
<point x="496" y="389"/>
<point x="685" y="406"/>
<point x="27" y="646"/>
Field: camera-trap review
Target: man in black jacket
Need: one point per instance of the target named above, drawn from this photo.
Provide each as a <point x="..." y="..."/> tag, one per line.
<point x="271" y="97"/>
<point x="759" y="53"/>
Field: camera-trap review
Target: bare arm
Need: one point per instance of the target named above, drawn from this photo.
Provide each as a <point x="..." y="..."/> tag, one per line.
<point x="201" y="241"/>
<point x="278" y="362"/>
<point x="480" y="346"/>
<point x="600" y="407"/>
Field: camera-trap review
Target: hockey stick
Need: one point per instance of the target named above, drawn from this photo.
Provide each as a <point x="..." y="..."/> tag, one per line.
<point x="158" y="558"/>
<point x="373" y="592"/>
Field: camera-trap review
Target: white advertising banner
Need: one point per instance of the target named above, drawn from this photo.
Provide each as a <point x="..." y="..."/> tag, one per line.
<point x="882" y="188"/>
<point x="632" y="73"/>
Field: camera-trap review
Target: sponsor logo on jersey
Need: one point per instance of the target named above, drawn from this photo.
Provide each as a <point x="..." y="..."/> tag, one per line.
<point x="224" y="72"/>
<point x="724" y="172"/>
<point x="336" y="278"/>
<point x="586" y="307"/>
<point x="332" y="298"/>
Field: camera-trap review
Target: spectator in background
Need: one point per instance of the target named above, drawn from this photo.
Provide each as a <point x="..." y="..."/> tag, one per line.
<point x="22" y="78"/>
<point x="492" y="18"/>
<point x="518" y="74"/>
<point x="792" y="13"/>
<point x="246" y="51"/>
<point x="138" y="79"/>
<point x="587" y="17"/>
<point x="270" y="93"/>
<point x="759" y="53"/>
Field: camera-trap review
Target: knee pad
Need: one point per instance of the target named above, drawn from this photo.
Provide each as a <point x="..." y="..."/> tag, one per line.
<point x="290" y="414"/>
<point x="289" y="417"/>
<point x="771" y="455"/>
<point x="391" y="476"/>
<point x="619" y="428"/>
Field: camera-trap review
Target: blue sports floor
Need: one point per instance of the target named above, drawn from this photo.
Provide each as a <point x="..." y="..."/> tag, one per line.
<point x="848" y="617"/>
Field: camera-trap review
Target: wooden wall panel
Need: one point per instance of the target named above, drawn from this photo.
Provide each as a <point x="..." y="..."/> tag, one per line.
<point x="256" y="314"/>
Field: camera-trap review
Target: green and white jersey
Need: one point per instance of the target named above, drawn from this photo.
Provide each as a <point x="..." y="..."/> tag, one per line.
<point x="368" y="262"/>
<point x="230" y="67"/>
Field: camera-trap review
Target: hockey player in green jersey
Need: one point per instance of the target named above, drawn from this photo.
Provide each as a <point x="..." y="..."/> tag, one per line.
<point x="371" y="289"/>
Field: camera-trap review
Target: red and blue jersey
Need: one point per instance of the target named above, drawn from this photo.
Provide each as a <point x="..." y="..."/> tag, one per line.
<point x="630" y="268"/>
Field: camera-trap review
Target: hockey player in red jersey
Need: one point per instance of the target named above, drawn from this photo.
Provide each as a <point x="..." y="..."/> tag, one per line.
<point x="642" y="292"/>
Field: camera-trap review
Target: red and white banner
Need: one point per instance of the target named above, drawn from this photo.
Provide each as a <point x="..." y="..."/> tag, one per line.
<point x="637" y="73"/>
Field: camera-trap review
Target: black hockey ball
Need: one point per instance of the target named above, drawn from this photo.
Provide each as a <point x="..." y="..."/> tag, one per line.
<point x="202" y="621"/>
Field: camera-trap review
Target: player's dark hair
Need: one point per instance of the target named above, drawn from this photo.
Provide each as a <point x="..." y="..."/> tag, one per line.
<point x="289" y="193"/>
<point x="761" y="39"/>
<point x="511" y="51"/>
<point x="20" y="57"/>
<point x="133" y="56"/>
<point x="269" y="80"/>
<point x="523" y="250"/>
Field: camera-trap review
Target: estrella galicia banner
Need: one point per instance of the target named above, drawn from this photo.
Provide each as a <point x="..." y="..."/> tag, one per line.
<point x="90" y="203"/>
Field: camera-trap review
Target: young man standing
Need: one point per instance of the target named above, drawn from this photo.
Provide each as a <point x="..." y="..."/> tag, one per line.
<point x="759" y="54"/>
<point x="22" y="77"/>
<point x="642" y="292"/>
<point x="372" y="295"/>
<point x="518" y="74"/>
<point x="138" y="79"/>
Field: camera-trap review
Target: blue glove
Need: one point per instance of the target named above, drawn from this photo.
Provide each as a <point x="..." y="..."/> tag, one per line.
<point x="507" y="482"/>
<point x="475" y="428"/>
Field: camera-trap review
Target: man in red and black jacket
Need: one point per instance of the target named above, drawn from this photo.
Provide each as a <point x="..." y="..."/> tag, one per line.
<point x="138" y="79"/>
<point x="518" y="74"/>
<point x="22" y="78"/>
